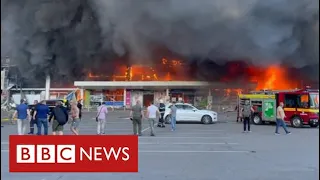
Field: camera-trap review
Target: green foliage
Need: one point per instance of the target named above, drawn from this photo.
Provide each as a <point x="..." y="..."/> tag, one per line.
<point x="203" y="103"/>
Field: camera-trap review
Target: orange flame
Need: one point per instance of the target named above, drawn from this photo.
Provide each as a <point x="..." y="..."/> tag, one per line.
<point x="227" y="92"/>
<point x="275" y="78"/>
<point x="272" y="78"/>
<point x="143" y="72"/>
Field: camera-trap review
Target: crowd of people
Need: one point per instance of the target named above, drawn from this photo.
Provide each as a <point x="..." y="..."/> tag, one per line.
<point x="41" y="116"/>
<point x="245" y="115"/>
<point x="152" y="113"/>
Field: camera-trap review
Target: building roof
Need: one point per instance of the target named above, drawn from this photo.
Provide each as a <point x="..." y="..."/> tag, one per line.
<point x="156" y="84"/>
<point x="42" y="89"/>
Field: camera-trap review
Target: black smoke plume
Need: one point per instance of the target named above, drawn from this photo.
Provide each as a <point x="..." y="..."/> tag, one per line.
<point x="65" y="37"/>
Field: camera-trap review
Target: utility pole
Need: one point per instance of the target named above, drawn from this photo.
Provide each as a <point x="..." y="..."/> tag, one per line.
<point x="20" y="83"/>
<point x="5" y="66"/>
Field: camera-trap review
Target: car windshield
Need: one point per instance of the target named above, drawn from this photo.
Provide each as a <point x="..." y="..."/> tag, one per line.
<point x="187" y="107"/>
<point x="200" y="108"/>
<point x="314" y="100"/>
<point x="182" y="106"/>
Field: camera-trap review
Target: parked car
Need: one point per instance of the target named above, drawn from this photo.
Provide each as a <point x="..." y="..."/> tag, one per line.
<point x="187" y="112"/>
<point x="51" y="103"/>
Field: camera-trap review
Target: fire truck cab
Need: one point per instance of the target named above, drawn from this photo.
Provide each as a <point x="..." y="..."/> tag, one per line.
<point x="301" y="106"/>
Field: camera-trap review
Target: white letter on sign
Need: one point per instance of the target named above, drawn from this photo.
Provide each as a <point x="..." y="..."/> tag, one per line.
<point x="46" y="154"/>
<point x="25" y="154"/>
<point x="66" y="153"/>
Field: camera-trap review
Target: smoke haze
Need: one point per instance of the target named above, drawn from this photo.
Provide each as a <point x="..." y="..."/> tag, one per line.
<point x="63" y="37"/>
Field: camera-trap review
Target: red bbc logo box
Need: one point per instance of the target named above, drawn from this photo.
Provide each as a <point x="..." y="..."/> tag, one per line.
<point x="73" y="153"/>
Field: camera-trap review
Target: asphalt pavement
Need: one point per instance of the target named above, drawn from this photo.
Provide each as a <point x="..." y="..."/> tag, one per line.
<point x="198" y="152"/>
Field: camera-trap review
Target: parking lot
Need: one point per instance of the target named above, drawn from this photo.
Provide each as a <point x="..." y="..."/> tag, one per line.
<point x="199" y="152"/>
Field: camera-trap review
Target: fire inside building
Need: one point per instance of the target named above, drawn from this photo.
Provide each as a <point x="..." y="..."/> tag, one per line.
<point x="173" y="80"/>
<point x="169" y="80"/>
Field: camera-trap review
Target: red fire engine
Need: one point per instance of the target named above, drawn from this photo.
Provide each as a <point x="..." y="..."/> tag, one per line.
<point x="301" y="106"/>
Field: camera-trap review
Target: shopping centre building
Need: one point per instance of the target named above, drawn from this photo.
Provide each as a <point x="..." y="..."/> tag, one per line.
<point x="126" y="93"/>
<point x="169" y="81"/>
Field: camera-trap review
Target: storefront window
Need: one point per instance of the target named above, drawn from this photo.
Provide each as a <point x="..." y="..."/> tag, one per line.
<point x="114" y="95"/>
<point x="314" y="100"/>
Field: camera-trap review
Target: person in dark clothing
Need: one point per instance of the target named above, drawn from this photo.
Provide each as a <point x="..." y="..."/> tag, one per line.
<point x="41" y="114"/>
<point x="33" y="119"/>
<point x="79" y="105"/>
<point x="60" y="115"/>
<point x="68" y="106"/>
<point x="247" y="111"/>
<point x="162" y="109"/>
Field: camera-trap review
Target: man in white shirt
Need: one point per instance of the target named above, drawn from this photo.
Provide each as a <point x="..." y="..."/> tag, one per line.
<point x="280" y="119"/>
<point x="152" y="112"/>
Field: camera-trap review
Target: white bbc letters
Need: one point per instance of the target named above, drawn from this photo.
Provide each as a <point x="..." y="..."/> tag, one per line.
<point x="25" y="153"/>
<point x="66" y="154"/>
<point x="46" y="153"/>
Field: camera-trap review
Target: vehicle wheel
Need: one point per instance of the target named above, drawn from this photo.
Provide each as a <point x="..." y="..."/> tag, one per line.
<point x="167" y="120"/>
<point x="257" y="120"/>
<point x="206" y="119"/>
<point x="314" y="125"/>
<point x="296" y="122"/>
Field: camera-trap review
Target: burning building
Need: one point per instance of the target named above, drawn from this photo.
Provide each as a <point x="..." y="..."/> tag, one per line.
<point x="163" y="47"/>
<point x="176" y="80"/>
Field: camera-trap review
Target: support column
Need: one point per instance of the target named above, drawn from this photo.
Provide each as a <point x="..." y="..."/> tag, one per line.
<point x="47" y="88"/>
<point x="167" y="100"/>
<point x="209" y="100"/>
<point x="124" y="97"/>
<point x="101" y="99"/>
<point x="82" y="94"/>
<point x="86" y="101"/>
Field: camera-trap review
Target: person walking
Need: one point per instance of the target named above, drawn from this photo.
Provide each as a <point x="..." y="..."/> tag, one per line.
<point x="75" y="115"/>
<point x="136" y="116"/>
<point x="247" y="111"/>
<point x="162" y="109"/>
<point x="101" y="118"/>
<point x="22" y="113"/>
<point x="152" y="112"/>
<point x="33" y="121"/>
<point x="173" y="114"/>
<point x="79" y="105"/>
<point x="41" y="115"/>
<point x="60" y="115"/>
<point x="280" y="119"/>
<point x="12" y="108"/>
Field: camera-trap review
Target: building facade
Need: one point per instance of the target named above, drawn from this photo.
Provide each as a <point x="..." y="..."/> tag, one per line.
<point x="126" y="93"/>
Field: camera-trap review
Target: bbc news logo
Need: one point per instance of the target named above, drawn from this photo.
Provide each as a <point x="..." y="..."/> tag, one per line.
<point x="73" y="154"/>
<point x="46" y="154"/>
<point x="67" y="153"/>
